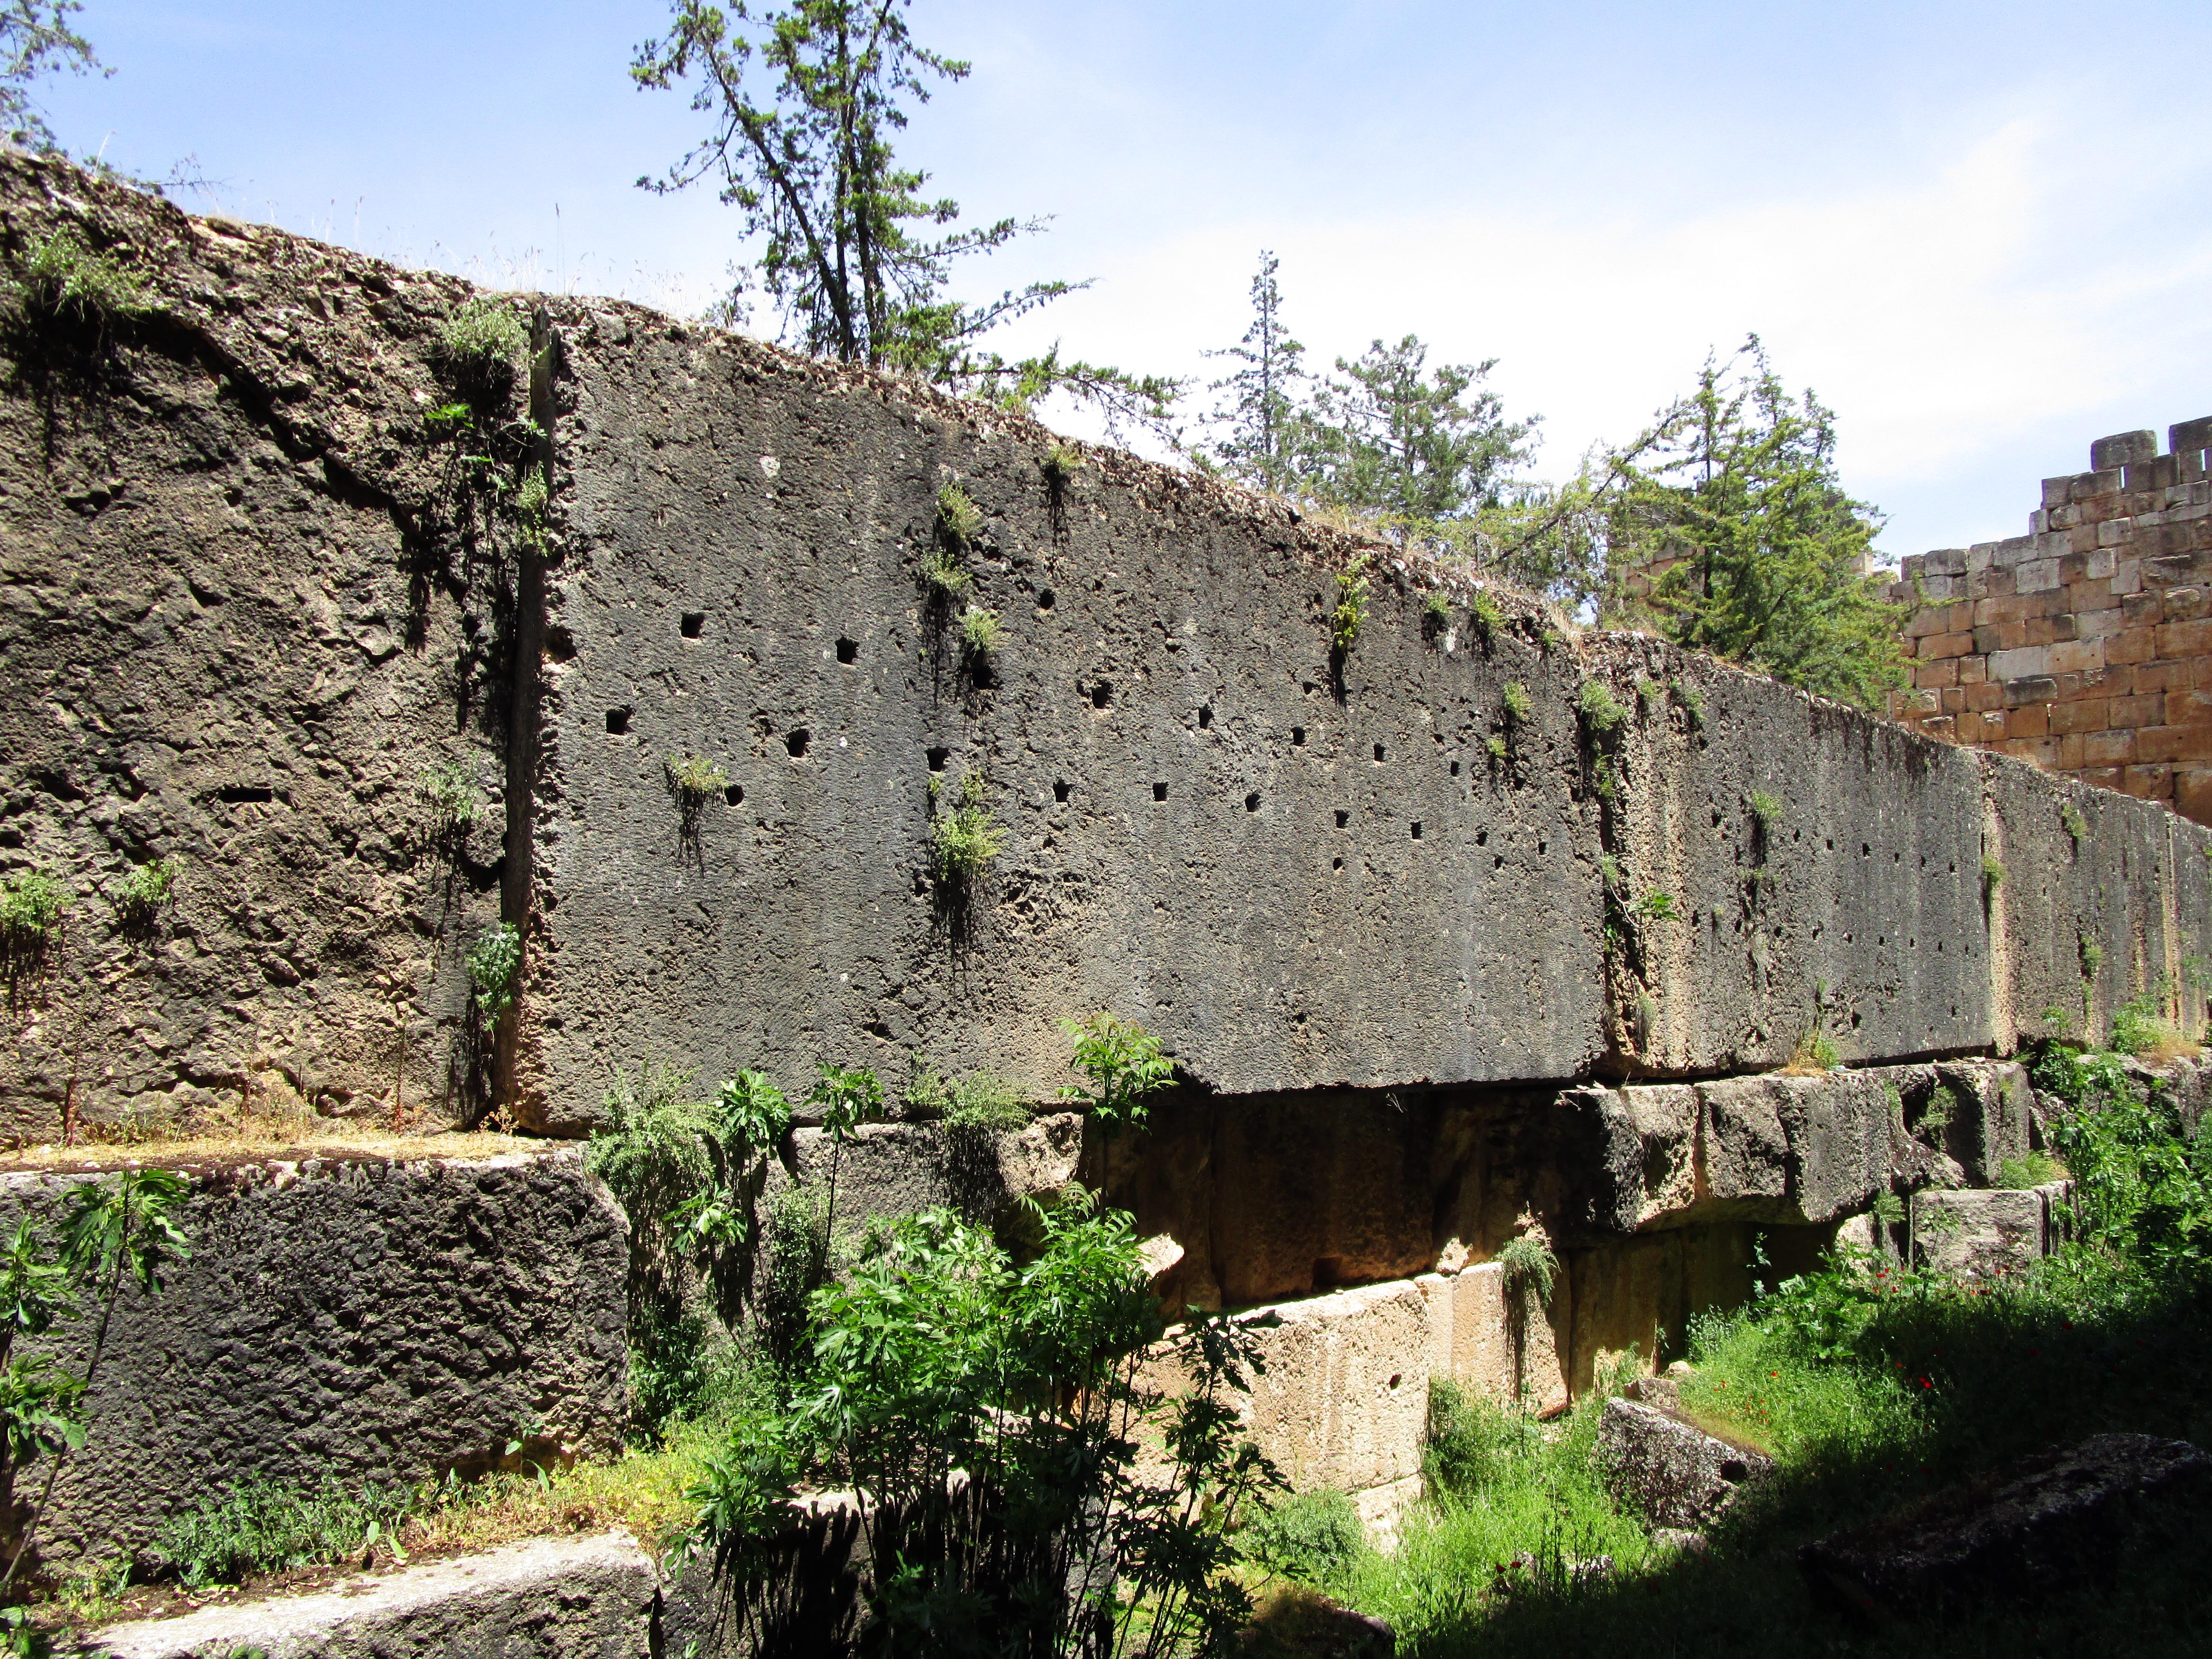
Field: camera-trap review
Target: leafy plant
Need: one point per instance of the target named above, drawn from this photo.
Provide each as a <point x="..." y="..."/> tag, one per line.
<point x="1488" y="616"/>
<point x="123" y="1226"/>
<point x="1436" y="616"/>
<point x="146" y="892"/>
<point x="1516" y="704"/>
<point x="937" y="1352"/>
<point x="256" y="1525"/>
<point x="1992" y="878"/>
<point x="2139" y="1027"/>
<point x="980" y="631"/>
<point x="1657" y="906"/>
<point x="981" y="1101"/>
<point x="66" y="284"/>
<point x="942" y="573"/>
<point x="1494" y="747"/>
<point x="1353" y="586"/>
<point x="31" y="910"/>
<point x="2076" y="826"/>
<point x="1602" y="716"/>
<point x="966" y="838"/>
<point x="450" y="794"/>
<point x="1765" y="809"/>
<point x="2034" y="1169"/>
<point x="1815" y="1051"/>
<point x="1062" y="461"/>
<point x="495" y="964"/>
<point x="1125" y="1066"/>
<point x="1528" y="1266"/>
<point x="1314" y="1537"/>
<point x="1693" y="704"/>
<point x="959" y="520"/>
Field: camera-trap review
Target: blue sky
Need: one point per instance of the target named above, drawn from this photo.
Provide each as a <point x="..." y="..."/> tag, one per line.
<point x="1982" y="232"/>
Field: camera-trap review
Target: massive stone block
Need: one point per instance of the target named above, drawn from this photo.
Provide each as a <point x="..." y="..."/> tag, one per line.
<point x="1304" y="871"/>
<point x="359" y="1319"/>
<point x="546" y="1598"/>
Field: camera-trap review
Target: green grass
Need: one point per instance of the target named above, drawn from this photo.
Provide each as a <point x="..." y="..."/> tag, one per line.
<point x="1869" y="1394"/>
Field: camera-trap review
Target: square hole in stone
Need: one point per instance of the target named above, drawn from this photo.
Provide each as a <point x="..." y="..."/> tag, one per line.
<point x="735" y="794"/>
<point x="849" y="651"/>
<point x="617" y="721"/>
<point x="1205" y="717"/>
<point x="1159" y="791"/>
<point x="938" y="757"/>
<point x="1454" y="769"/>
<point x="1378" y="753"/>
<point x="1102" y="694"/>
<point x="796" y="741"/>
<point x="1416" y="829"/>
<point x="1298" y="736"/>
<point x="1061" y="791"/>
<point x="1252" y="801"/>
<point x="1343" y="820"/>
<point x="695" y="624"/>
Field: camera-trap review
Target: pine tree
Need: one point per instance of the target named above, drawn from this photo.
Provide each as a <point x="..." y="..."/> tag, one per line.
<point x="36" y="40"/>
<point x="805" y="100"/>
<point x="1764" y="558"/>
<point x="1263" y="407"/>
<point x="1415" y="445"/>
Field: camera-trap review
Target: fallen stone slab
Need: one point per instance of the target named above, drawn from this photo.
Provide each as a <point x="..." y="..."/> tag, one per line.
<point x="2049" y="1522"/>
<point x="1298" y="1623"/>
<point x="1670" y="1471"/>
<point x="547" y="1598"/>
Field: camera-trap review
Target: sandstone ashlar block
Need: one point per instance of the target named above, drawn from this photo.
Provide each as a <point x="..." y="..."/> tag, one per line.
<point x="2076" y="656"/>
<point x="2020" y="662"/>
<point x="1481" y="1347"/>
<point x="2123" y="449"/>
<point x="2174" y="743"/>
<point x="1978" y="1233"/>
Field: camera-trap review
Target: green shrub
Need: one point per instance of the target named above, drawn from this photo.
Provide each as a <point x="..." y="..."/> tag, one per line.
<point x="982" y="1101"/>
<point x="1314" y="1537"/>
<point x="1468" y="1440"/>
<point x="1602" y="716"/>
<point x="1657" y="906"/>
<point x="2076" y="826"/>
<point x="980" y="631"/>
<point x="146" y="892"/>
<point x="31" y="909"/>
<point x="1528" y="1268"/>
<point x="450" y="794"/>
<point x="2139" y="1026"/>
<point x="66" y="284"/>
<point x="482" y="349"/>
<point x="1125" y="1066"/>
<point x="1436" y="616"/>
<point x="1515" y="703"/>
<point x="255" y="1527"/>
<point x="1765" y="809"/>
<point x="935" y="1352"/>
<point x="1693" y="704"/>
<point x="959" y="520"/>
<point x="1062" y="461"/>
<point x="1353" y="586"/>
<point x="1992" y="878"/>
<point x="941" y="574"/>
<point x="2034" y="1169"/>
<point x="1488" y="616"/>
<point x="965" y="840"/>
<point x="495" y="964"/>
<point x="1494" y="747"/>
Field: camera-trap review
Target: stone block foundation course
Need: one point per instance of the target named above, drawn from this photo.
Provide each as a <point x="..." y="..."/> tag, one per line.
<point x="357" y="1319"/>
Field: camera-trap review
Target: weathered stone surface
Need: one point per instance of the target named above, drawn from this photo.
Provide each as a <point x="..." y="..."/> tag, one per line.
<point x="1503" y="1355"/>
<point x="1991" y="1108"/>
<point x="1670" y="1471"/>
<point x="365" y="1320"/>
<point x="2047" y="1522"/>
<point x="1205" y="830"/>
<point x="889" y="1169"/>
<point x="1297" y="1623"/>
<point x="1980" y="1234"/>
<point x="548" y="1598"/>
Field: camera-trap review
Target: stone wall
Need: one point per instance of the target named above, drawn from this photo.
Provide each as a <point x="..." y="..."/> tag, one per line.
<point x="359" y="1319"/>
<point x="1304" y="873"/>
<point x="2085" y="645"/>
